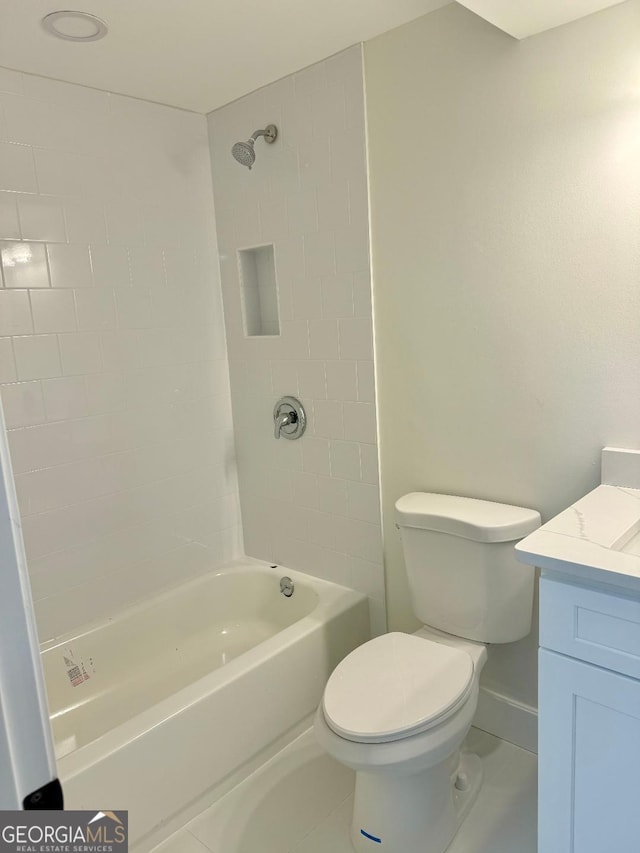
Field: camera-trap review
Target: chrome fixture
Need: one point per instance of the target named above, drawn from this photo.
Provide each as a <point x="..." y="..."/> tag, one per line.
<point x="286" y="586"/>
<point x="289" y="418"/>
<point x="244" y="152"/>
<point x="74" y="26"/>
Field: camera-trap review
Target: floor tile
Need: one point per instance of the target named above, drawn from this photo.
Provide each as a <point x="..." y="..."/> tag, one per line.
<point x="181" y="842"/>
<point x="278" y="805"/>
<point x="301" y="802"/>
<point x="332" y="835"/>
<point x="504" y="817"/>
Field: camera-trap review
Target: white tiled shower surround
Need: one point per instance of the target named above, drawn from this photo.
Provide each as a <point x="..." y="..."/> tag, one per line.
<point x="112" y="344"/>
<point x="311" y="504"/>
<point x="112" y="347"/>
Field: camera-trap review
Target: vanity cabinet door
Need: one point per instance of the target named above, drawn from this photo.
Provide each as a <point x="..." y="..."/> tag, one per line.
<point x="589" y="758"/>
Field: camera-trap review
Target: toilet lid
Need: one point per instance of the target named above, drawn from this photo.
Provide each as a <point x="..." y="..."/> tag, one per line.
<point x="394" y="686"/>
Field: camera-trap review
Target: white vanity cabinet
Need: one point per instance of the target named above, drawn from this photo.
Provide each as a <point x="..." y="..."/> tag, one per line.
<point x="589" y="717"/>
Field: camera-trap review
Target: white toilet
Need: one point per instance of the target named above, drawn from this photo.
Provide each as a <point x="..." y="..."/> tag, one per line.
<point x="398" y="708"/>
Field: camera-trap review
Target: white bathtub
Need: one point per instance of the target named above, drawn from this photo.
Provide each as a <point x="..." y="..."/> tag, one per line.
<point x="153" y="709"/>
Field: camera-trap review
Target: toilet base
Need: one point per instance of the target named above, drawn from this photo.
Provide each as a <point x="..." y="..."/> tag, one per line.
<point x="414" y="813"/>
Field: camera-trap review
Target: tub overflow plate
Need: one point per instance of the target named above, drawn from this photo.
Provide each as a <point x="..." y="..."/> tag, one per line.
<point x="286" y="586"/>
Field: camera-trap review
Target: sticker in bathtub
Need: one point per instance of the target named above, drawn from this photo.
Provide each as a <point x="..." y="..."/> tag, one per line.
<point x="77" y="669"/>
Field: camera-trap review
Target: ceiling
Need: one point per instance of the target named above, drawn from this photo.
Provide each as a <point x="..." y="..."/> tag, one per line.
<point x="523" y="18"/>
<point x="201" y="54"/>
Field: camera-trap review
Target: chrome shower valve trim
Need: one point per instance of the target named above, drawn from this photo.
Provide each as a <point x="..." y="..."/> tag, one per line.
<point x="289" y="418"/>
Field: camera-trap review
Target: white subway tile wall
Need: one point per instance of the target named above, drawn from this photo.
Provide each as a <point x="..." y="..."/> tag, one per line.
<point x="112" y="351"/>
<point x="312" y="504"/>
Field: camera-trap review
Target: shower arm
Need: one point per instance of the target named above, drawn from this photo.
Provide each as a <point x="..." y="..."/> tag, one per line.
<point x="270" y="133"/>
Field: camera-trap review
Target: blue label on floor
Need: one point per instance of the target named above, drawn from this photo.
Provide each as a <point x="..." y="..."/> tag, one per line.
<point x="371" y="837"/>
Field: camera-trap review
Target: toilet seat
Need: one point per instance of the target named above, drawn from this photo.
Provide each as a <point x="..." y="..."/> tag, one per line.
<point x="395" y="686"/>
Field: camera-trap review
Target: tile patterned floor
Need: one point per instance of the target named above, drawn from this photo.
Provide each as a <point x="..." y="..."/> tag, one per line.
<point x="300" y="802"/>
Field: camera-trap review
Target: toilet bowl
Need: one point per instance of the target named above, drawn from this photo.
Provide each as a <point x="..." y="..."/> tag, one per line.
<point x="398" y="708"/>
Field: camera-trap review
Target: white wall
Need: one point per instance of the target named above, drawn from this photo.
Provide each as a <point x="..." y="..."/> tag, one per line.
<point x="311" y="504"/>
<point x="505" y="195"/>
<point x="112" y="348"/>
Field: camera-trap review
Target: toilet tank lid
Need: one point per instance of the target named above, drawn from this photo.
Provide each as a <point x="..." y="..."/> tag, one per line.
<point x="469" y="518"/>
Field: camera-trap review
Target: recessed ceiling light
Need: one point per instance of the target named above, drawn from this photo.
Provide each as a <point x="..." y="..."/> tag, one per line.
<point x="74" y="26"/>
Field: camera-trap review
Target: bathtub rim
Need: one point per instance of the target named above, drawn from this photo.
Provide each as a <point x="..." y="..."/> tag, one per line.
<point x="243" y="565"/>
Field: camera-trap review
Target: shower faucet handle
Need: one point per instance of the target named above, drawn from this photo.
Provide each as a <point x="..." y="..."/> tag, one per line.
<point x="283" y="420"/>
<point x="289" y="418"/>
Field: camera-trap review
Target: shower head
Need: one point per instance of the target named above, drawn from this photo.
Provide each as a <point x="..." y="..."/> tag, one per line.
<point x="244" y="152"/>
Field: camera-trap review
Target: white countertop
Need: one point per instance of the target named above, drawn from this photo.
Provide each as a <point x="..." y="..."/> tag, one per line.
<point x="595" y="539"/>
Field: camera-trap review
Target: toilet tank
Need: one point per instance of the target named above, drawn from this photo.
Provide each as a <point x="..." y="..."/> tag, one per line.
<point x="463" y="574"/>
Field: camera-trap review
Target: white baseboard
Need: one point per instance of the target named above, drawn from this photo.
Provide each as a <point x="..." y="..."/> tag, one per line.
<point x="507" y="719"/>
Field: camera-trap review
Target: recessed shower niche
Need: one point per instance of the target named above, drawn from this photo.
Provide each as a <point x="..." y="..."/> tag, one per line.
<point x="259" y="291"/>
